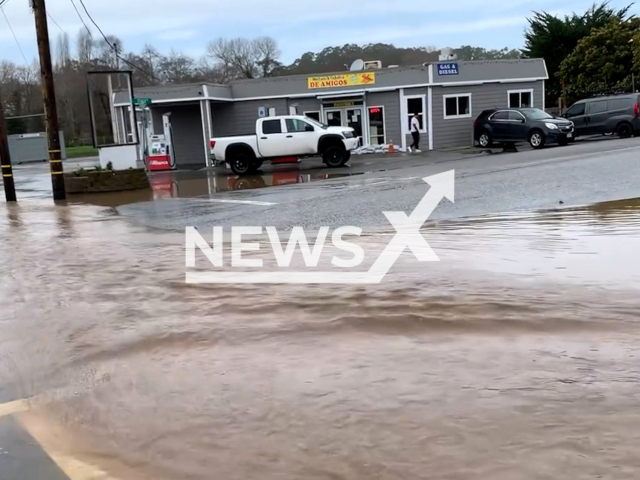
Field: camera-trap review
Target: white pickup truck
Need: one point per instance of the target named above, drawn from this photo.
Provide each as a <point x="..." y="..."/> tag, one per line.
<point x="281" y="137"/>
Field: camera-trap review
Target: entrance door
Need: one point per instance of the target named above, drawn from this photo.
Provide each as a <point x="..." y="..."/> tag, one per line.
<point x="354" y="120"/>
<point x="334" y="117"/>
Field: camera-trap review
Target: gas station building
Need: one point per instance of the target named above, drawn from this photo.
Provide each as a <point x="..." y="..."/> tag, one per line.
<point x="377" y="102"/>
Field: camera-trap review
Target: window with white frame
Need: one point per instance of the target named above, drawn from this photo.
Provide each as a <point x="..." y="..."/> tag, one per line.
<point x="417" y="104"/>
<point x="520" y="98"/>
<point x="376" y="126"/>
<point x="457" y="106"/>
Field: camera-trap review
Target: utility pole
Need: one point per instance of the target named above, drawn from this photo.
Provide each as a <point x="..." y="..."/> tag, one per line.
<point x="49" y="97"/>
<point x="5" y="160"/>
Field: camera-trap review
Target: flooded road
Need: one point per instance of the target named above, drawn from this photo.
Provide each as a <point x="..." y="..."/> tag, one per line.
<point x="515" y="357"/>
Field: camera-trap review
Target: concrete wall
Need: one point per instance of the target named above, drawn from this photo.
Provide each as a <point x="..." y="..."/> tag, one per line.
<point x="32" y="147"/>
<point x="187" y="135"/>
<point x="458" y="132"/>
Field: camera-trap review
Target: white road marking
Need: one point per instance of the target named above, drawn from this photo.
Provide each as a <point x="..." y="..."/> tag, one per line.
<point x="242" y="202"/>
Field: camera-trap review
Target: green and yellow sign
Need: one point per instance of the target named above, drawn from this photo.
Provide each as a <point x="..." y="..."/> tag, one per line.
<point x="343" y="80"/>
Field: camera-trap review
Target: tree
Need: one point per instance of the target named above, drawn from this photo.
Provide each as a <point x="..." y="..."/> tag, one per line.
<point x="86" y="46"/>
<point x="244" y="58"/>
<point x="177" y="68"/>
<point x="335" y="59"/>
<point x="63" y="53"/>
<point x="467" y="53"/>
<point x="106" y="50"/>
<point x="554" y="38"/>
<point x="602" y="62"/>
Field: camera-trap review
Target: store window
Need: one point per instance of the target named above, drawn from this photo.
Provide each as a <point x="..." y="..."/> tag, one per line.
<point x="520" y="98"/>
<point x="416" y="105"/>
<point x="457" y="106"/>
<point x="314" y="115"/>
<point x="376" y="126"/>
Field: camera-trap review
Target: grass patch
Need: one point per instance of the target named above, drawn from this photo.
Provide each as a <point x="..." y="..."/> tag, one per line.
<point x="81" y="151"/>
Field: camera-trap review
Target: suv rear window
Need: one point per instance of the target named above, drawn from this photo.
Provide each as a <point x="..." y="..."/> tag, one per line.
<point x="504" y="115"/>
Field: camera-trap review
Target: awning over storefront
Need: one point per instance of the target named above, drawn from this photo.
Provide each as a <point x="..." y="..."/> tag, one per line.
<point x="354" y="93"/>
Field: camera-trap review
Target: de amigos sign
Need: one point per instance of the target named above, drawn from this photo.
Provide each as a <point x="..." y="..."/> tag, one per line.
<point x="344" y="80"/>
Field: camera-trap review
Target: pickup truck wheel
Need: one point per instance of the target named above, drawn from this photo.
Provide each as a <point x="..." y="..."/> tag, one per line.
<point x="335" y="157"/>
<point x="241" y="164"/>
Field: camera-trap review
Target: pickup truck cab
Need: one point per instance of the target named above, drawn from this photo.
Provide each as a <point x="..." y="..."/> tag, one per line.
<point x="284" y="136"/>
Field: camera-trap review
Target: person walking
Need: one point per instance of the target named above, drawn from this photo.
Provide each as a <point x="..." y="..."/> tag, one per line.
<point x="415" y="133"/>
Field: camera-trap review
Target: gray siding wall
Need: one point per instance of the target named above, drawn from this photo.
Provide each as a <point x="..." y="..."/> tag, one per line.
<point x="304" y="105"/>
<point x="298" y="84"/>
<point x="493" y="70"/>
<point x="240" y="118"/>
<point x="222" y="119"/>
<point x="156" y="117"/>
<point x="169" y="92"/>
<point x="391" y="103"/>
<point x="453" y="132"/>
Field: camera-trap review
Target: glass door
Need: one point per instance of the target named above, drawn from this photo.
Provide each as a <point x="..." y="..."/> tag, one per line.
<point x="334" y="117"/>
<point x="354" y="120"/>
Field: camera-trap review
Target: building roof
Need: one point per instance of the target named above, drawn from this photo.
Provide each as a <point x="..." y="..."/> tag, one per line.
<point x="468" y="73"/>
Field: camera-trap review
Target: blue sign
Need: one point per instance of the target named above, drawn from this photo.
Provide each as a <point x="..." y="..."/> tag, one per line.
<point x="262" y="112"/>
<point x="448" y="69"/>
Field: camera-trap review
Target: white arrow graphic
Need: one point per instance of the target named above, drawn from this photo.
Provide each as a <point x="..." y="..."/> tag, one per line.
<point x="407" y="236"/>
<point x="408" y="227"/>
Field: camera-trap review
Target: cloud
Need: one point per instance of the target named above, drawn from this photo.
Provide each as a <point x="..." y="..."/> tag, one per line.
<point x="431" y="33"/>
<point x="125" y="17"/>
<point x="185" y="34"/>
<point x="298" y="25"/>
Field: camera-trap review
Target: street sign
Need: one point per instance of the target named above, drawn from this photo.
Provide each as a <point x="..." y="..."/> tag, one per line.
<point x="448" y="69"/>
<point x="142" y="102"/>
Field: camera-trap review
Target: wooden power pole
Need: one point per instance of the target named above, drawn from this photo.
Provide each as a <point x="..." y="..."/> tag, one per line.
<point x="49" y="97"/>
<point x="5" y="160"/>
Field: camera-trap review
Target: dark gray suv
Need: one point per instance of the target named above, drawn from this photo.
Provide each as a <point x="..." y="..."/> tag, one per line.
<point x="619" y="114"/>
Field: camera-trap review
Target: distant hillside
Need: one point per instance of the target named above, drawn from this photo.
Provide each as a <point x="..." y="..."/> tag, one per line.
<point x="333" y="59"/>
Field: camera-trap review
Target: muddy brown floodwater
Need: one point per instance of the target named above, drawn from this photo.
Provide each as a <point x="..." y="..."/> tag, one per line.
<point x="515" y="357"/>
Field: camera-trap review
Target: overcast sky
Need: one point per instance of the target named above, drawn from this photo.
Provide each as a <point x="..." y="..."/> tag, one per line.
<point x="298" y="25"/>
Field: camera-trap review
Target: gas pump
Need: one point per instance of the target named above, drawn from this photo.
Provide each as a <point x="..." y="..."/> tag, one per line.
<point x="161" y="154"/>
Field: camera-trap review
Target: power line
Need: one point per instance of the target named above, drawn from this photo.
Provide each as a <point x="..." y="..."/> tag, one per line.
<point x="12" y="32"/>
<point x="80" y="17"/>
<point x="3" y="3"/>
<point x="55" y="23"/>
<point x="112" y="46"/>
